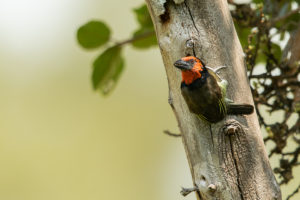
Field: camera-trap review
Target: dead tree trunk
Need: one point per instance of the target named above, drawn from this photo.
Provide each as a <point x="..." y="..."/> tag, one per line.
<point x="227" y="159"/>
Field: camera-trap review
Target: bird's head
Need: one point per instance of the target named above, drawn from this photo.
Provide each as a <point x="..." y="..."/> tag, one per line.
<point x="191" y="68"/>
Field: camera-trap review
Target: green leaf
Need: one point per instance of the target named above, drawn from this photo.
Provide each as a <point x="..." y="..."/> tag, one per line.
<point x="293" y="21"/>
<point x="243" y="34"/>
<point x="93" y="34"/>
<point x="282" y="34"/>
<point x="147" y="40"/>
<point x="143" y="16"/>
<point x="276" y="51"/>
<point x="107" y="70"/>
<point x="261" y="56"/>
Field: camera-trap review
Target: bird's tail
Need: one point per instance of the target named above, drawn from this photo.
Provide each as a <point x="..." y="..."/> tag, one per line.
<point x="239" y="109"/>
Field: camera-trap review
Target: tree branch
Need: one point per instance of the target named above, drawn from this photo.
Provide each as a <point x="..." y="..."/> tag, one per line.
<point x="235" y="162"/>
<point x="169" y="133"/>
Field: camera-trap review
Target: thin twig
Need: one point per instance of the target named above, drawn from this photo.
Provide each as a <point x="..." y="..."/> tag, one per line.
<point x="277" y="19"/>
<point x="186" y="191"/>
<point x="295" y="192"/>
<point x="135" y="38"/>
<point x="172" y="134"/>
<point x="265" y="75"/>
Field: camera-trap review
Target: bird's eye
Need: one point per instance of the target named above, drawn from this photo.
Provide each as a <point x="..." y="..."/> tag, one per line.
<point x="191" y="61"/>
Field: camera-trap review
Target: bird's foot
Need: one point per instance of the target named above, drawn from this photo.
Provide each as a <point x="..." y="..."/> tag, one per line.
<point x="216" y="70"/>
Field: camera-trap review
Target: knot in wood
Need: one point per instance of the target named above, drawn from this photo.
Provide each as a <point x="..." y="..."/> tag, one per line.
<point x="232" y="127"/>
<point x="189" y="47"/>
<point x="190" y="43"/>
<point x="212" y="188"/>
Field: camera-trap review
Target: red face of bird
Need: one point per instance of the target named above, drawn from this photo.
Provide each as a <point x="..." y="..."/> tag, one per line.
<point x="191" y="68"/>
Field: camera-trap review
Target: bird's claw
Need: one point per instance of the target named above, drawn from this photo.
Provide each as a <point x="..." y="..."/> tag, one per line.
<point x="216" y="69"/>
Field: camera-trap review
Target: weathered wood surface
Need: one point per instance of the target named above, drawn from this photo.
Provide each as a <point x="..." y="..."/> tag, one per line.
<point x="228" y="159"/>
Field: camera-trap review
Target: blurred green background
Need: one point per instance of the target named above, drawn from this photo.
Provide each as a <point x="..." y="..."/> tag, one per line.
<point x="61" y="140"/>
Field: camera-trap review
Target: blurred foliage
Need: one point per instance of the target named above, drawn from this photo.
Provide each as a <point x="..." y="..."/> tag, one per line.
<point x="273" y="73"/>
<point x="146" y="26"/>
<point x="258" y="24"/>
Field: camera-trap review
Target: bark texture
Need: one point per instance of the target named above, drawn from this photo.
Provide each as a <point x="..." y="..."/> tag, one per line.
<point x="227" y="159"/>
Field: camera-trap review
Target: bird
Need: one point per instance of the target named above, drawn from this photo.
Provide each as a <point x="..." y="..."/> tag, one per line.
<point x="205" y="92"/>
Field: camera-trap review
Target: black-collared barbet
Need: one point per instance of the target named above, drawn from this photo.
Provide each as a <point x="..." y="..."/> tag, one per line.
<point x="205" y="92"/>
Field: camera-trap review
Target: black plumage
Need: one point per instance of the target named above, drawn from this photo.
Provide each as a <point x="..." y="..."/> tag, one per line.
<point x="204" y="95"/>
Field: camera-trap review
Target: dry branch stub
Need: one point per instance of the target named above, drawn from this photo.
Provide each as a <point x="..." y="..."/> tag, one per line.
<point x="227" y="159"/>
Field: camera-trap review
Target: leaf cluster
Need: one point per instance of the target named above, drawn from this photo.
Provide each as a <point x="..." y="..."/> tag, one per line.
<point x="109" y="65"/>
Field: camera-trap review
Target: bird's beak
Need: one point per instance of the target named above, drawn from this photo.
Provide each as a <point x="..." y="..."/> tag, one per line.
<point x="182" y="65"/>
